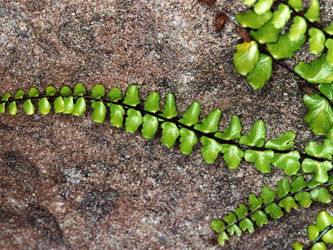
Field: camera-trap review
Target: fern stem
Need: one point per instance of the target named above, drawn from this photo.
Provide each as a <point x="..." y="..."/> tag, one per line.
<point x="319" y="236"/>
<point x="174" y="120"/>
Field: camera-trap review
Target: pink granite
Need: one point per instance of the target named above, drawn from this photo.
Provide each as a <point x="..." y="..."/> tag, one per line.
<point x="69" y="183"/>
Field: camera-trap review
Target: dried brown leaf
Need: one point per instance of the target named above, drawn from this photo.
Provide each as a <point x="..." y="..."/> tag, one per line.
<point x="220" y="21"/>
<point x="210" y="3"/>
<point x="244" y="34"/>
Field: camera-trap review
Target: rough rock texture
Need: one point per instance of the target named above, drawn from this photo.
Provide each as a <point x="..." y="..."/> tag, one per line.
<point x="69" y="183"/>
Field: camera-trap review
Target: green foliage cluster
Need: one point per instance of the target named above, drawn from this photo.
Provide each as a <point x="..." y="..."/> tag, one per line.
<point x="309" y="174"/>
<point x="230" y="143"/>
<point x="321" y="231"/>
<point x="288" y="195"/>
<point x="148" y="117"/>
<point x="265" y="26"/>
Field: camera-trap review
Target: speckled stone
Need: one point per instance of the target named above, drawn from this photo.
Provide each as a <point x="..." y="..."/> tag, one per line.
<point x="69" y="183"/>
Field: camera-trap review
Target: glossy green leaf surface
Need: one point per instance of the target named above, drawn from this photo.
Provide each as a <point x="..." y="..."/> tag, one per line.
<point x="169" y="108"/>
<point x="69" y="105"/>
<point x="246" y="224"/>
<point x="191" y="116"/>
<point x="59" y="105"/>
<point x="12" y="108"/>
<point x="241" y="211"/>
<point x="115" y="95"/>
<point x="320" y="115"/>
<point x="33" y="92"/>
<point x="328" y="237"/>
<point x="2" y="105"/>
<point x="323" y="220"/>
<point x="217" y="225"/>
<point x="133" y="120"/>
<point x="313" y="232"/>
<point x="329" y="57"/>
<point x="170" y="133"/>
<point x="98" y="91"/>
<point x="256" y="136"/>
<point x="222" y="238"/>
<point x="274" y="211"/>
<point x="232" y="155"/>
<point x="319" y="168"/>
<point x="321" y="194"/>
<point x="261" y="159"/>
<point x="117" y="115"/>
<point x="262" y="6"/>
<point x="281" y="16"/>
<point x="319" y="246"/>
<point x="312" y="14"/>
<point x="285" y="47"/>
<point x="149" y="126"/>
<point x="79" y="89"/>
<point x="304" y="199"/>
<point x="210" y="149"/>
<point x="250" y="19"/>
<point x="44" y="106"/>
<point x="327" y="90"/>
<point x="297" y="246"/>
<point x="132" y="96"/>
<point x="283" y="187"/>
<point x="255" y="202"/>
<point x="288" y="203"/>
<point x="267" y="194"/>
<point x="261" y="73"/>
<point x="99" y="111"/>
<point x="317" y="40"/>
<point x="187" y="140"/>
<point x="329" y="29"/>
<point x="283" y="142"/>
<point x="266" y="34"/>
<point x="260" y="218"/>
<point x="19" y="94"/>
<point x="65" y="91"/>
<point x="319" y="71"/>
<point x="152" y="103"/>
<point x="249" y="2"/>
<point x="296" y="4"/>
<point x="210" y="123"/>
<point x="324" y="150"/>
<point x="289" y="162"/>
<point x="232" y="131"/>
<point x="234" y="229"/>
<point x="298" y="184"/>
<point x="230" y="218"/>
<point x="246" y="57"/>
<point x="79" y="106"/>
<point x="28" y="107"/>
<point x="50" y="91"/>
<point x="297" y="29"/>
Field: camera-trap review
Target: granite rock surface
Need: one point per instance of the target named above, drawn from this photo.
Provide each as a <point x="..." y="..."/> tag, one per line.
<point x="69" y="183"/>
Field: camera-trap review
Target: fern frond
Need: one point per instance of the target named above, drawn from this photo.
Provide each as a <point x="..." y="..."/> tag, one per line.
<point x="265" y="26"/>
<point x="230" y="143"/>
<point x="321" y="231"/>
<point x="271" y="204"/>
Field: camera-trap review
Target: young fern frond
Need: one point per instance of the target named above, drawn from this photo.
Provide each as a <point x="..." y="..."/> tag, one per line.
<point x="271" y="203"/>
<point x="265" y="27"/>
<point x="127" y="110"/>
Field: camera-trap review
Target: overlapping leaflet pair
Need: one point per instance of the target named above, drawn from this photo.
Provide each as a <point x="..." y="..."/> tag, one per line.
<point x="265" y="28"/>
